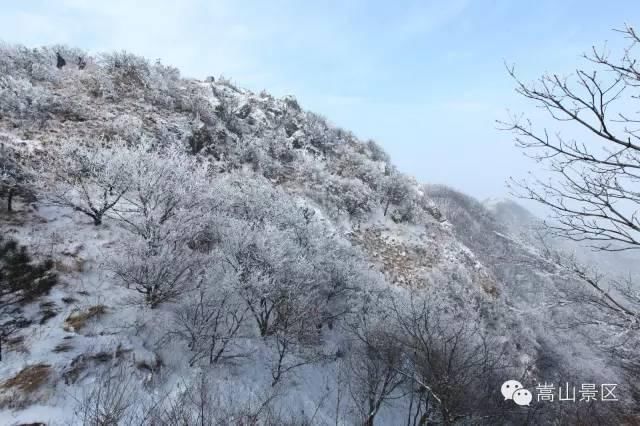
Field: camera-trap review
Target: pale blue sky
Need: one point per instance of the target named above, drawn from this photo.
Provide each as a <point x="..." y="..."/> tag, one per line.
<point x="424" y="78"/>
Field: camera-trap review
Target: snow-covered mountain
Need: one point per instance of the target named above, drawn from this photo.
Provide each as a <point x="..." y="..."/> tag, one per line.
<point x="225" y="251"/>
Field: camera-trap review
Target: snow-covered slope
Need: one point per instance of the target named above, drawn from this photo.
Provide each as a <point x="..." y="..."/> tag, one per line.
<point x="272" y="165"/>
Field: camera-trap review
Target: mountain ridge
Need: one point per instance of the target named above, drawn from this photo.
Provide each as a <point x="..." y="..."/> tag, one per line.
<point x="403" y="236"/>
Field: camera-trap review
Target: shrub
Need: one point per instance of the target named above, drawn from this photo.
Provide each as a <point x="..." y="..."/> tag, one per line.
<point x="200" y="139"/>
<point x="126" y="70"/>
<point x="376" y="153"/>
<point x="160" y="274"/>
<point x="21" y="281"/>
<point x="127" y="127"/>
<point x="350" y="195"/>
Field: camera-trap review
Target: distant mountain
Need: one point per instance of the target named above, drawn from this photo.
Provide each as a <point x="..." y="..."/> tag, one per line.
<point x="511" y="214"/>
<point x="522" y="222"/>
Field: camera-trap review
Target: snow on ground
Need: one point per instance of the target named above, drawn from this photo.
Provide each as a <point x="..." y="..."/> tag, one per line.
<point x="125" y="336"/>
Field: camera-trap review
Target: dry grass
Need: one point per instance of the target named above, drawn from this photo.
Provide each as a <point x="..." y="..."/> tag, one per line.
<point x="29" y="379"/>
<point x="74" y="265"/>
<point x="16" y="344"/>
<point x="78" y="319"/>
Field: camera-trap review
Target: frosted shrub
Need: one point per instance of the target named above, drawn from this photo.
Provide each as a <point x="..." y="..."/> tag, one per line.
<point x="167" y="194"/>
<point x="349" y="196"/>
<point x="160" y="274"/>
<point x="126" y="127"/>
<point x="88" y="177"/>
<point x="126" y="69"/>
<point x="164" y="86"/>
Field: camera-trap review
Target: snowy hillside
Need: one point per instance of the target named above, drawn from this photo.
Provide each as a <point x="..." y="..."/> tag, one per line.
<point x="217" y="256"/>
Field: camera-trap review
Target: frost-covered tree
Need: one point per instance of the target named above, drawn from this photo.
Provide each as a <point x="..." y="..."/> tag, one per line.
<point x="37" y="64"/>
<point x="209" y="320"/>
<point x="269" y="273"/>
<point x="27" y="78"/>
<point x="162" y="273"/>
<point x="343" y="277"/>
<point x="255" y="200"/>
<point x="165" y="195"/>
<point x="279" y="251"/>
<point x="590" y="185"/>
<point x="164" y="85"/>
<point x="25" y="101"/>
<point x="15" y="179"/>
<point x="113" y="399"/>
<point x="396" y="189"/>
<point x="200" y="401"/>
<point x="376" y="152"/>
<point x="321" y="135"/>
<point x="89" y="177"/>
<point x="351" y="161"/>
<point x="296" y="337"/>
<point x="227" y="111"/>
<point x="450" y="359"/>
<point x="127" y="70"/>
<point x="348" y="195"/>
<point x="373" y="364"/>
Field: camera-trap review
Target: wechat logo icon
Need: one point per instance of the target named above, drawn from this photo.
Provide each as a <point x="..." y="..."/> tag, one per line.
<point x="513" y="390"/>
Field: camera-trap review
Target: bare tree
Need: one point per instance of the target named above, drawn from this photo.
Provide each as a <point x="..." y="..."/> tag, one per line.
<point x="603" y="309"/>
<point x="593" y="193"/>
<point x="196" y="405"/>
<point x="295" y="336"/>
<point x="450" y="359"/>
<point x="374" y="366"/>
<point x="159" y="274"/>
<point x="209" y="321"/>
<point x="111" y="401"/>
<point x="200" y="402"/>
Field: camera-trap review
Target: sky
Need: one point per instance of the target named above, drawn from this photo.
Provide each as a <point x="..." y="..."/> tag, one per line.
<point x="425" y="79"/>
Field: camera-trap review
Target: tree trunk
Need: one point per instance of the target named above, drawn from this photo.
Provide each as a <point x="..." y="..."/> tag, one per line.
<point x="10" y="200"/>
<point x="369" y="421"/>
<point x="386" y="207"/>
